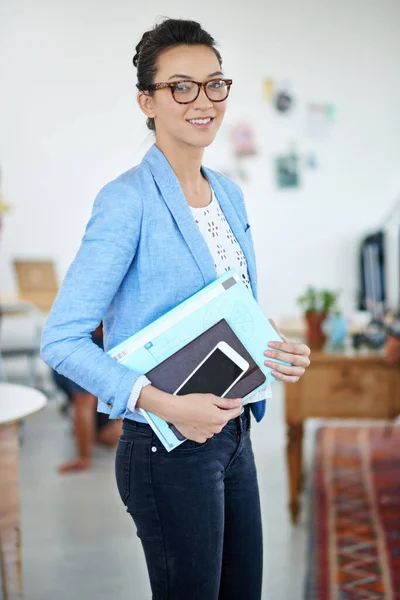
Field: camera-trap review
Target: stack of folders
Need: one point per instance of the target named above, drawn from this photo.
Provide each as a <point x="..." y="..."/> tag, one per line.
<point x="213" y="342"/>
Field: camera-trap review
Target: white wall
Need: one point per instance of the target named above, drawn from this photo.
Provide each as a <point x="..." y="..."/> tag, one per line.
<point x="69" y="123"/>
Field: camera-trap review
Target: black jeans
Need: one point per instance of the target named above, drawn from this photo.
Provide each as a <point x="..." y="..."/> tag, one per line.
<point x="196" y="510"/>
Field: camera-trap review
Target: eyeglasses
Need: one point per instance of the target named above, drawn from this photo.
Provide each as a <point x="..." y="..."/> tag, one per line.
<point x="185" y="92"/>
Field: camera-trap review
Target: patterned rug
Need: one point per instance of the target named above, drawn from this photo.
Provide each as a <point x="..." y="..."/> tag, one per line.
<point x="355" y="517"/>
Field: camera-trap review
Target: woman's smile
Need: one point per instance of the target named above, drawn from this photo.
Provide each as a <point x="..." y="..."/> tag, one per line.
<point x="204" y="123"/>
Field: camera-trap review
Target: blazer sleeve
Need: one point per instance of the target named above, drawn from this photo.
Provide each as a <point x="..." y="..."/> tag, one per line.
<point x="106" y="252"/>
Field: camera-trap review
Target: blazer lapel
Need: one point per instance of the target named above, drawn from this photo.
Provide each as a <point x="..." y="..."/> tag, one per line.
<point x="172" y="194"/>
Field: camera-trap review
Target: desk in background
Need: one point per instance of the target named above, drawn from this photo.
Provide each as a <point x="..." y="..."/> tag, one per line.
<point x="358" y="386"/>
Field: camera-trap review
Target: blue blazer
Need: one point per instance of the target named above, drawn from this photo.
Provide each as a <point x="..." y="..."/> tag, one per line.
<point x="142" y="254"/>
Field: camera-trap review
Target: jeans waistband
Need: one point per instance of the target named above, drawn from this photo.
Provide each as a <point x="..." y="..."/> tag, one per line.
<point x="241" y="423"/>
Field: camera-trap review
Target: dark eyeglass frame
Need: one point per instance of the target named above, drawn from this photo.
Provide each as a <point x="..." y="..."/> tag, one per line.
<point x="172" y="85"/>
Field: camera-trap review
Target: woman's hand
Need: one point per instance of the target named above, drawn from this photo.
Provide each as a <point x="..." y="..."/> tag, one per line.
<point x="297" y="354"/>
<point x="199" y="416"/>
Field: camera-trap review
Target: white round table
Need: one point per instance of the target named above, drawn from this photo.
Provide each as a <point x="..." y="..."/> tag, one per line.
<point x="16" y="403"/>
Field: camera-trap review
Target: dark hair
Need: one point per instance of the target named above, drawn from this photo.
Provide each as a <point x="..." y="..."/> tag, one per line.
<point x="167" y="34"/>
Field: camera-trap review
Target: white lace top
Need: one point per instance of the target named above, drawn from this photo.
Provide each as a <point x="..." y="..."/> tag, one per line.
<point x="218" y="235"/>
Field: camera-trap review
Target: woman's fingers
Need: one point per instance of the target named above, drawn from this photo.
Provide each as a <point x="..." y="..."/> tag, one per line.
<point x="227" y="403"/>
<point x="286" y="378"/>
<point x="297" y="360"/>
<point x="291" y="347"/>
<point x="285" y="369"/>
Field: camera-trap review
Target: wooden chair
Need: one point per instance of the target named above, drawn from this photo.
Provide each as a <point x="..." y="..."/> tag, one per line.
<point x="37" y="282"/>
<point x="37" y="287"/>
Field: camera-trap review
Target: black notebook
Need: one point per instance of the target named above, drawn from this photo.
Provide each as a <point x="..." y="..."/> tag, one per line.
<point x="172" y="372"/>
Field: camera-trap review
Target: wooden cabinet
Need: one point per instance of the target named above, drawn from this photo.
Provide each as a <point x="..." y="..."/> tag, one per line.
<point x="337" y="386"/>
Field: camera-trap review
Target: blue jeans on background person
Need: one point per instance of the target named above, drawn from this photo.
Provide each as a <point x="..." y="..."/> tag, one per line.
<point x="196" y="510"/>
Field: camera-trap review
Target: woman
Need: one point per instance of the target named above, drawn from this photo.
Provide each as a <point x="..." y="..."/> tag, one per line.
<point x="147" y="247"/>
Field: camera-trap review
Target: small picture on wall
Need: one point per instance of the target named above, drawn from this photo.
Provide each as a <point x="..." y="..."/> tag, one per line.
<point x="284" y="101"/>
<point x="268" y="90"/>
<point x="243" y="140"/>
<point x="287" y="171"/>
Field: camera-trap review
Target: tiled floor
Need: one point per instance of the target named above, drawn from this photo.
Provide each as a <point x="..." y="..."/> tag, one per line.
<point x="79" y="543"/>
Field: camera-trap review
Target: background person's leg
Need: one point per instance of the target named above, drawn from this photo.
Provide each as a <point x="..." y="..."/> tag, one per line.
<point x="84" y="407"/>
<point x="108" y="430"/>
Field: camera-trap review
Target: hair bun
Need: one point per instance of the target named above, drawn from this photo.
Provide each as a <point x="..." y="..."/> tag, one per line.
<point x="139" y="47"/>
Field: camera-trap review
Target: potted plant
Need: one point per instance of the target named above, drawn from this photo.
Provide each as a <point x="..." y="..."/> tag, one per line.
<point x="316" y="305"/>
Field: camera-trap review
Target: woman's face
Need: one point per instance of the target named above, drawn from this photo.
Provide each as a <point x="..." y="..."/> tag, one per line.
<point x="178" y="121"/>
